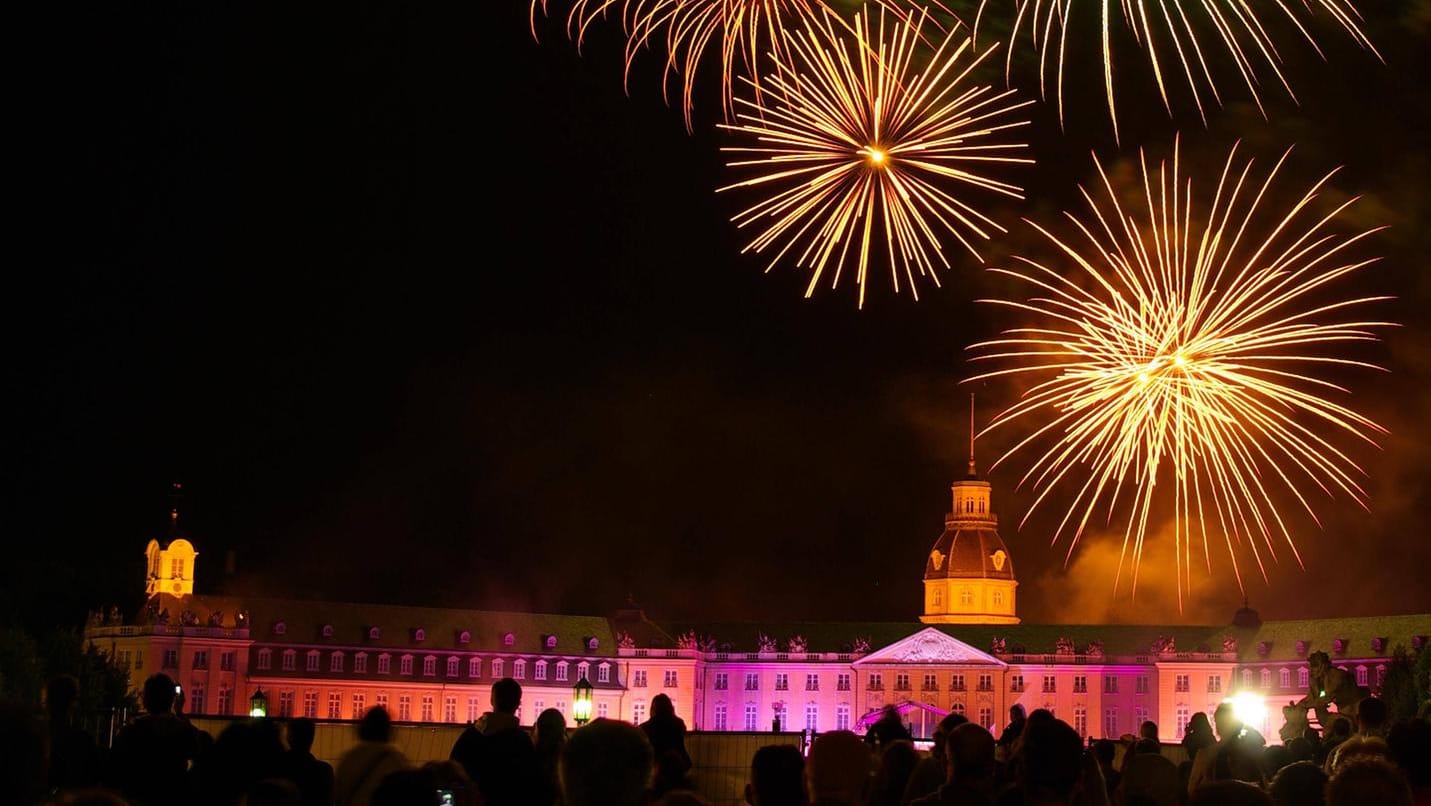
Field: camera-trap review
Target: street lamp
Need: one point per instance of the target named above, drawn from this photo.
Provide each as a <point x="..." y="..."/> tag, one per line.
<point x="258" y="704"/>
<point x="581" y="702"/>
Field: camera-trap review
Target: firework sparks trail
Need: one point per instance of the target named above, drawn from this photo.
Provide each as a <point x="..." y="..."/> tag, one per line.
<point x="1180" y="356"/>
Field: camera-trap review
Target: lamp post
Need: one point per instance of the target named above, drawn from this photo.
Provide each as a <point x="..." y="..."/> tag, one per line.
<point x="581" y="702"/>
<point x="258" y="704"/>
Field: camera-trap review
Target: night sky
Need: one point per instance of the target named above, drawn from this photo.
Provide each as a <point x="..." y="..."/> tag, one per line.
<point x="420" y="310"/>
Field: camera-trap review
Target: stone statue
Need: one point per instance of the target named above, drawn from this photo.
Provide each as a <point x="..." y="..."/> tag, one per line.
<point x="1294" y="722"/>
<point x="625" y="641"/>
<point x="163" y="618"/>
<point x="241" y="619"/>
<point x="1094" y="649"/>
<point x="707" y="644"/>
<point x="189" y="618"/>
<point x="797" y="644"/>
<point x="1063" y="646"/>
<point x="1165" y="645"/>
<point x="862" y="646"/>
<point x="998" y="645"/>
<point x="1229" y="646"/>
<point x="1328" y="685"/>
<point x="686" y="640"/>
<point x="114" y="617"/>
<point x="765" y="643"/>
<point x="216" y="618"/>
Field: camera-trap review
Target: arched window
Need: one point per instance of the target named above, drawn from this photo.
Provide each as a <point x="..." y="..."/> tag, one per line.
<point x="562" y="672"/>
<point x="1302" y="678"/>
<point x="1247" y="678"/>
<point x="1267" y="678"/>
<point x="583" y="670"/>
<point x="429" y="666"/>
<point x="1284" y="678"/>
<point x="265" y="659"/>
<point x="497" y="666"/>
<point x="405" y="665"/>
<point x="452" y="666"/>
<point x="519" y="668"/>
<point x="1361" y="676"/>
<point x="474" y="667"/>
<point x="541" y="670"/>
<point x="335" y="662"/>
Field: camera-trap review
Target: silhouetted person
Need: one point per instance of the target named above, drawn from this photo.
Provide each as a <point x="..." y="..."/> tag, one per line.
<point x="246" y="752"/>
<point x="448" y="776"/>
<point x="777" y="777"/>
<point x="549" y="736"/>
<point x="667" y="734"/>
<point x="1368" y="780"/>
<point x="1150" y="779"/>
<point x="1017" y="719"/>
<point x="1371" y="717"/>
<point x="496" y="753"/>
<point x="1104" y="751"/>
<point x="1198" y="735"/>
<point x="933" y="770"/>
<point x="896" y="764"/>
<point x="22" y="755"/>
<point x="367" y="763"/>
<point x="406" y="788"/>
<point x="273" y="792"/>
<point x="1229" y="793"/>
<point x="313" y="778"/>
<point x="1300" y="783"/>
<point x="970" y="767"/>
<point x="838" y="770"/>
<point x="1236" y="756"/>
<point x="150" y="759"/>
<point x="606" y="763"/>
<point x="1409" y="744"/>
<point x="1051" y="767"/>
<point x="888" y="729"/>
<point x="1148" y="730"/>
<point x="74" y="757"/>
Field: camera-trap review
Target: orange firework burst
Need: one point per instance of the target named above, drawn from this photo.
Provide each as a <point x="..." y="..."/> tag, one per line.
<point x="746" y="30"/>
<point x="861" y="143"/>
<point x="1186" y="350"/>
<point x="1169" y="33"/>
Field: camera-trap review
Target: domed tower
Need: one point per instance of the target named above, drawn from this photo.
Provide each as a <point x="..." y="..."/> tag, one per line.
<point x="968" y="575"/>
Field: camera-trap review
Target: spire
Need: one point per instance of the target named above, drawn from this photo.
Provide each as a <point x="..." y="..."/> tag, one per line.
<point x="176" y="494"/>
<point x="972" y="470"/>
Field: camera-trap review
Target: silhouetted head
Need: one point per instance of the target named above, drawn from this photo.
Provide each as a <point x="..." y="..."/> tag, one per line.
<point x="1409" y="744"/>
<point x="606" y="763"/>
<point x="838" y="768"/>
<point x="1052" y="760"/>
<point x="970" y="752"/>
<point x="777" y="777"/>
<point x="376" y="725"/>
<point x="62" y="696"/>
<point x="1229" y="793"/>
<point x="1368" y="780"/>
<point x="1148" y="730"/>
<point x="1017" y="713"/>
<point x="159" y="694"/>
<point x="506" y="696"/>
<point x="661" y="707"/>
<point x="300" y="734"/>
<point x="550" y="732"/>
<point x="273" y="792"/>
<point x="1105" y="750"/>
<point x="1300" y="783"/>
<point x="1199" y="724"/>
<point x="1371" y="715"/>
<point x="1225" y="718"/>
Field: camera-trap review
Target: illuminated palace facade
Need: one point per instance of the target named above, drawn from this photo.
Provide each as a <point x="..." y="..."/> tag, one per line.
<point x="971" y="653"/>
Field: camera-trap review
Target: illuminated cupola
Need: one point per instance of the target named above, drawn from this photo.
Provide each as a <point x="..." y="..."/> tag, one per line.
<point x="969" y="576"/>
<point x="170" y="569"/>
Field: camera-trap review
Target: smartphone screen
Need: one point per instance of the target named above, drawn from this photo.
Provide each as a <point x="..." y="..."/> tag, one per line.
<point x="444" y="797"/>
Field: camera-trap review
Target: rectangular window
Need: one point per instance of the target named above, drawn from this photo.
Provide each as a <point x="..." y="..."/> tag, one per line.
<point x="601" y="710"/>
<point x="519" y="669"/>
<point x="381" y="700"/>
<point x="1361" y="677"/>
<point x="427" y="708"/>
<point x="930" y="683"/>
<point x="603" y="673"/>
<point x="474" y="668"/>
<point x="752" y="681"/>
<point x="1016" y="682"/>
<point x="779" y="719"/>
<point x="474" y="709"/>
<point x="138" y="660"/>
<point x="449" y="709"/>
<point x="404" y="708"/>
<point x="721" y="681"/>
<point x="876" y="682"/>
<point x="720" y="716"/>
<point x="1214" y="684"/>
<point x="226" y="702"/>
<point x="1141" y="686"/>
<point x="638" y="712"/>
<point x="1140" y="715"/>
<point x="842" y="717"/>
<point x="335" y="705"/>
<point x="540" y="672"/>
<point x="1247" y="678"/>
<point x="201" y="659"/>
<point x="1301" y="676"/>
<point x="638" y="678"/>
<point x="429" y="666"/>
<point x="669" y="680"/>
<point x="986" y="718"/>
<point x="360" y="701"/>
<point x="812" y="682"/>
<point x="1080" y="721"/>
<point x="290" y="660"/>
<point x="562" y="672"/>
<point x="842" y="682"/>
<point x="360" y="663"/>
<point x="1182" y="683"/>
<point x="986" y="682"/>
<point x="497" y="668"/>
<point x="176" y="569"/>
<point x="310" y="704"/>
<point x="1080" y="684"/>
<point x="1183" y="715"/>
<point x="385" y="664"/>
<point x="335" y="662"/>
<point x="1284" y="677"/>
<point x="122" y="659"/>
<point x="901" y="681"/>
<point x="1110" y="723"/>
<point x="310" y="662"/>
<point x="812" y="716"/>
<point x="1267" y="678"/>
<point x="195" y="702"/>
<point x="538" y="706"/>
<point x="285" y="704"/>
<point x="1110" y="684"/>
<point x="956" y="683"/>
<point x="171" y="659"/>
<point x="226" y="661"/>
<point x="1050" y="684"/>
<point x="782" y="682"/>
<point x="453" y="664"/>
<point x="405" y="665"/>
<point x="751" y="714"/>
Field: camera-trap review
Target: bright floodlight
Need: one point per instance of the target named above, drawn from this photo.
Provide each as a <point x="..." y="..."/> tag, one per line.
<point x="1249" y="708"/>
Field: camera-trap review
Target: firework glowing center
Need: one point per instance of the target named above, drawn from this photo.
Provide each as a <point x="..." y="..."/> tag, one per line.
<point x="876" y="157"/>
<point x="1192" y="352"/>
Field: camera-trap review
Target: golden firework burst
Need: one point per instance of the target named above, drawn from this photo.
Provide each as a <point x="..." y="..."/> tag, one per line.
<point x="864" y="147"/>
<point x="1181" y="354"/>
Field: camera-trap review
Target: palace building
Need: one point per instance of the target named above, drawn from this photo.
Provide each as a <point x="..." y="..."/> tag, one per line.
<point x="971" y="654"/>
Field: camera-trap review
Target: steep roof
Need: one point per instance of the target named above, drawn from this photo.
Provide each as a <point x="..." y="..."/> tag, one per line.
<point x="1282" y="636"/>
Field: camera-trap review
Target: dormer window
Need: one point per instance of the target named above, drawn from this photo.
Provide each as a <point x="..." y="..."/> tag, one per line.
<point x="1264" y="648"/>
<point x="549" y="641"/>
<point x="592" y="644"/>
<point x="1301" y="648"/>
<point x="1339" y="645"/>
<point x="509" y="639"/>
<point x="464" y="637"/>
<point x="374" y="633"/>
<point x="327" y="630"/>
<point x="1378" y="645"/>
<point x="280" y="628"/>
<point x="419" y="634"/>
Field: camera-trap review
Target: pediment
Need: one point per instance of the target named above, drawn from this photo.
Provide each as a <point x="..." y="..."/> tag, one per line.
<point x="930" y="645"/>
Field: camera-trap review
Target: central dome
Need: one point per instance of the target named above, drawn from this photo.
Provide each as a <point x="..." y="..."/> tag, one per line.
<point x="969" y="551"/>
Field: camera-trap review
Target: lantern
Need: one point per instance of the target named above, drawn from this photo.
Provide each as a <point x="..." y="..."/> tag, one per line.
<point x="581" y="702"/>
<point x="258" y="704"/>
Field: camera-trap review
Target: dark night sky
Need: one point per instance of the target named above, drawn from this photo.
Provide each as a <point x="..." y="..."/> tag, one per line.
<point x="420" y="310"/>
